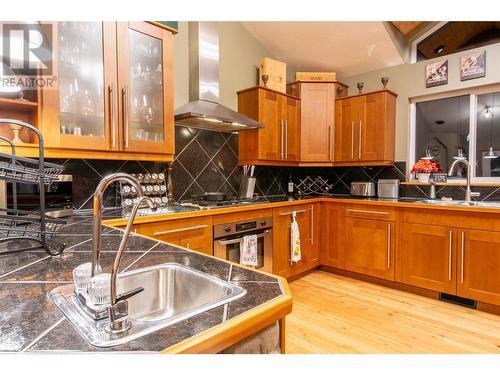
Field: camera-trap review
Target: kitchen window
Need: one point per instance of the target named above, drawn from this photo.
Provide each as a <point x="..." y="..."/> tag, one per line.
<point x="464" y="126"/>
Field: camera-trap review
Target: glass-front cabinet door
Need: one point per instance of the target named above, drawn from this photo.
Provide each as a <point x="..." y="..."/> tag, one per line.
<point x="84" y="104"/>
<point x="145" y="82"/>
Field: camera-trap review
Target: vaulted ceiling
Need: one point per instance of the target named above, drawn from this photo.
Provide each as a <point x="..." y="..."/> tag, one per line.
<point x="347" y="48"/>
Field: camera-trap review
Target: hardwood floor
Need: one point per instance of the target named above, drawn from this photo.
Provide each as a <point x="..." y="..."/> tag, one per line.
<point x="336" y="314"/>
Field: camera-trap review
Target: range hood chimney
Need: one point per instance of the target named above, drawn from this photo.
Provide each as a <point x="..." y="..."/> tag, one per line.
<point x="204" y="111"/>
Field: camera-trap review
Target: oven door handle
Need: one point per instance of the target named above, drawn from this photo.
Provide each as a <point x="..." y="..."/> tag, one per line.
<point x="238" y="240"/>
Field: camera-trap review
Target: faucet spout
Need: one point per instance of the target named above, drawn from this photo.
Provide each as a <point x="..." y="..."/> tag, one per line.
<point x="468" y="192"/>
<point x="123" y="243"/>
<point x="98" y="209"/>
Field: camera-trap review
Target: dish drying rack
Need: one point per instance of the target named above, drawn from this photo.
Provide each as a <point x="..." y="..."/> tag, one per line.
<point x="28" y="226"/>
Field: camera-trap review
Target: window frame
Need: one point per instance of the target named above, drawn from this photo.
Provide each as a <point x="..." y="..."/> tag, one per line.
<point x="473" y="94"/>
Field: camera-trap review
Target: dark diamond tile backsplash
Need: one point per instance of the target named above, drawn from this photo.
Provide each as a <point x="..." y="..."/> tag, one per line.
<point x="208" y="161"/>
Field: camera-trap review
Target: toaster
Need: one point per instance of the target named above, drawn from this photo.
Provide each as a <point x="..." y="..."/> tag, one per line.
<point x="363" y="189"/>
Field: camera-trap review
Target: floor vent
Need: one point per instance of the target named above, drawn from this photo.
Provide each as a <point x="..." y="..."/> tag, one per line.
<point x="457" y="300"/>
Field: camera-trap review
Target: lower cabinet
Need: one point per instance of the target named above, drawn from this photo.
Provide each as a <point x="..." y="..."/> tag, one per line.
<point x="370" y="247"/>
<point x="307" y="216"/>
<point x="333" y="235"/>
<point x="478" y="271"/>
<point x="194" y="234"/>
<point x="428" y="257"/>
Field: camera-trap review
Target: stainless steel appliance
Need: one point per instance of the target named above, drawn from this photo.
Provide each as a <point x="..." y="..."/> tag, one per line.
<point x="204" y="202"/>
<point x="204" y="111"/>
<point x="388" y="188"/>
<point x="363" y="189"/>
<point x="228" y="239"/>
<point x="58" y="196"/>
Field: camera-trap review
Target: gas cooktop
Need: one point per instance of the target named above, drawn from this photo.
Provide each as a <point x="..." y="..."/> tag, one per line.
<point x="204" y="204"/>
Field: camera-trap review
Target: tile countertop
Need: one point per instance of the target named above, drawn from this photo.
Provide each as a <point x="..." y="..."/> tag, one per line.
<point x="29" y="321"/>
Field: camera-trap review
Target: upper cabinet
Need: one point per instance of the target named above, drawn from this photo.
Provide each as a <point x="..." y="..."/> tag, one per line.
<point x="145" y="80"/>
<point x="278" y="141"/>
<point x="298" y="125"/>
<point x="114" y="93"/>
<point x="365" y="129"/>
<point x="316" y="123"/>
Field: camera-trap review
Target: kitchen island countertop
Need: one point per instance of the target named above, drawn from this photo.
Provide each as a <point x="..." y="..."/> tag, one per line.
<point x="30" y="322"/>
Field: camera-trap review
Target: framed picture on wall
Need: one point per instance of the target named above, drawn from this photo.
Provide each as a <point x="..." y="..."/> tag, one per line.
<point x="473" y="66"/>
<point x="436" y="74"/>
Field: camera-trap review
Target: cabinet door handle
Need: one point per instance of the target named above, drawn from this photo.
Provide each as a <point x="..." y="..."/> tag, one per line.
<point x="368" y="212"/>
<point x="360" y="139"/>
<point x="291" y="212"/>
<point x="282" y="153"/>
<point x="449" y="256"/>
<point x="111" y="98"/>
<point x="330" y="137"/>
<point x="312" y="225"/>
<point x="389" y="246"/>
<point x="179" y="230"/>
<point x="286" y="139"/>
<point x="125" y="113"/>
<point x="462" y="260"/>
<point x="352" y="140"/>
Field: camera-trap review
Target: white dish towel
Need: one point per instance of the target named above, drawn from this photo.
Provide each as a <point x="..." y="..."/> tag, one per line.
<point x="295" y="239"/>
<point x="248" y="253"/>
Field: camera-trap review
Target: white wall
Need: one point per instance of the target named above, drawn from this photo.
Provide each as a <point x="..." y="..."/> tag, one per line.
<point x="408" y="80"/>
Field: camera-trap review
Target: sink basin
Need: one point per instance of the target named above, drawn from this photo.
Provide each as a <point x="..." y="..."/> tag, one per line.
<point x="461" y="203"/>
<point x="172" y="292"/>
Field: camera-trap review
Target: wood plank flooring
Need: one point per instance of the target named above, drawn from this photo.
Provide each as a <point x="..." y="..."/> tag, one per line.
<point x="336" y="314"/>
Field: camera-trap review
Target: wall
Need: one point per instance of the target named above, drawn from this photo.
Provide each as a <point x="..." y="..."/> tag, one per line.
<point x="408" y="80"/>
<point x="239" y="57"/>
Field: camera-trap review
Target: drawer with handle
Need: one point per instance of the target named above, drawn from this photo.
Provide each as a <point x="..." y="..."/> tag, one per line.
<point x="194" y="234"/>
<point x="371" y="211"/>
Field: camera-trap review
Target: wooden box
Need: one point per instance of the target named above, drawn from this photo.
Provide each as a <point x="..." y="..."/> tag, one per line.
<point x="316" y="76"/>
<point x="276" y="70"/>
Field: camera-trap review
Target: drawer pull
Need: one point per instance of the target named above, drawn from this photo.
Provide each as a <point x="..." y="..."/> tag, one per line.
<point x="180" y="230"/>
<point x="368" y="212"/>
<point x="291" y="212"/>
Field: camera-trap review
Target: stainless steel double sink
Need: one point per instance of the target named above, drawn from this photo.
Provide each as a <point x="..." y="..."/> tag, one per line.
<point x="172" y="292"/>
<point x="460" y="203"/>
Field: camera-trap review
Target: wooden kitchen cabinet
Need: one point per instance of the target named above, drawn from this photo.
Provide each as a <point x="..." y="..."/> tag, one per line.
<point x="194" y="234"/>
<point x="280" y="114"/>
<point x="370" y="247"/>
<point x="478" y="275"/>
<point x="307" y="216"/>
<point x="428" y="256"/>
<point x="317" y="121"/>
<point x="333" y="235"/>
<point x="365" y="128"/>
<point x="114" y="94"/>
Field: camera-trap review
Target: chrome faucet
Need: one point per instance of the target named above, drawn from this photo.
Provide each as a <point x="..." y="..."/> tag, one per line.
<point x="98" y="208"/>
<point x="468" y="192"/>
<point x="118" y="310"/>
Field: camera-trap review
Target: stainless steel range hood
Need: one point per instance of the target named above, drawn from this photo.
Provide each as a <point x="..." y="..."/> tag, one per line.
<point x="204" y="111"/>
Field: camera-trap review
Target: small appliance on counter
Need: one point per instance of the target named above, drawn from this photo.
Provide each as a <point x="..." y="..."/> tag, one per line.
<point x="388" y="188"/>
<point x="363" y="189"/>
